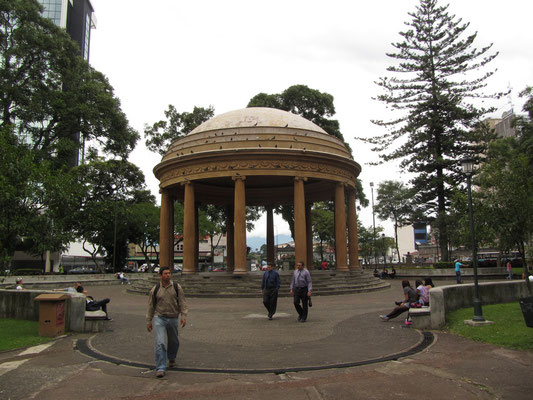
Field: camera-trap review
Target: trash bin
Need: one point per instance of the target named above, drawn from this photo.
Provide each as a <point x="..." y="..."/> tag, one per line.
<point x="526" y="304"/>
<point x="52" y="314"/>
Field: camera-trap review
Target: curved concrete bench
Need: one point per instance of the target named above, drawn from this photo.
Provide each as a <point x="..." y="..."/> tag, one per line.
<point x="94" y="321"/>
<point x="20" y="304"/>
<point x="453" y="297"/>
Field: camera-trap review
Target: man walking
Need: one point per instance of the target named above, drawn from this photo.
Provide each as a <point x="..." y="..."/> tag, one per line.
<point x="269" y="288"/>
<point x="301" y="288"/>
<point x="165" y="304"/>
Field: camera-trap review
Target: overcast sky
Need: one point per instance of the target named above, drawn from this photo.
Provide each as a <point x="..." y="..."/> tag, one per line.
<point x="222" y="53"/>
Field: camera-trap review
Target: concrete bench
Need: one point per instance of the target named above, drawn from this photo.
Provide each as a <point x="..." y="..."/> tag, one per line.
<point x="94" y="321"/>
<point x="420" y="317"/>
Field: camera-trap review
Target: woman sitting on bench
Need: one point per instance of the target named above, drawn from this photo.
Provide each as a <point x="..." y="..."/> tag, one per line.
<point x="410" y="297"/>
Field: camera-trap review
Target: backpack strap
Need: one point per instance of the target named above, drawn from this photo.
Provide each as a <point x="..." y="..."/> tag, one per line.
<point x="156" y="289"/>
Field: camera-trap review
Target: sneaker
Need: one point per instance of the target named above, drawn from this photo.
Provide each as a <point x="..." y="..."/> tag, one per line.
<point x="384" y="317"/>
<point x="270" y="317"/>
<point x="160" y="374"/>
<point x="171" y="363"/>
<point x="397" y="303"/>
<point x="407" y="322"/>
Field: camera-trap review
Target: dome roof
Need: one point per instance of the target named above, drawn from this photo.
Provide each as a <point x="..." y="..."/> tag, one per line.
<point x="257" y="117"/>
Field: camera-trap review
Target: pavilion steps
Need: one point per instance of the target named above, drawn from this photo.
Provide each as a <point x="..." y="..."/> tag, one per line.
<point x="224" y="285"/>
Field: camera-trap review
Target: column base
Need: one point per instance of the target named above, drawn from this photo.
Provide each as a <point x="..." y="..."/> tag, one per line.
<point x="240" y="272"/>
<point x="343" y="268"/>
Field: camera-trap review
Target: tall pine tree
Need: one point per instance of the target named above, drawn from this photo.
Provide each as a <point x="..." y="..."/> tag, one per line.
<point x="435" y="88"/>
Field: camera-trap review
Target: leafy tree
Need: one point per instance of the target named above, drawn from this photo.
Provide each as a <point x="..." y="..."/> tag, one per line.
<point x="507" y="188"/>
<point x="50" y="95"/>
<point x="163" y="133"/>
<point x="323" y="225"/>
<point x="35" y="201"/>
<point x="315" y="106"/>
<point x="145" y="227"/>
<point x="369" y="243"/>
<point x="214" y="225"/>
<point x="437" y="117"/>
<point x="112" y="187"/>
<point x="311" y="104"/>
<point x="393" y="202"/>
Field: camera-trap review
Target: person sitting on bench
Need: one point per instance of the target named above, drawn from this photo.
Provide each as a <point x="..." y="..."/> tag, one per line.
<point x="93" y="305"/>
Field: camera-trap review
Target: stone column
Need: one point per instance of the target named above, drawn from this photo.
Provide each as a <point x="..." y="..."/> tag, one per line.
<point x="240" y="226"/>
<point x="196" y="237"/>
<point x="189" y="222"/>
<point x="270" y="235"/>
<point x="353" y="240"/>
<point x="171" y="247"/>
<point x="300" y="242"/>
<point x="309" y="236"/>
<point x="230" y="248"/>
<point x="166" y="241"/>
<point x="340" y="228"/>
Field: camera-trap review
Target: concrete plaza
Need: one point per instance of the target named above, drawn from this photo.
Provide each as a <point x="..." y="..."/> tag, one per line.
<point x="230" y="350"/>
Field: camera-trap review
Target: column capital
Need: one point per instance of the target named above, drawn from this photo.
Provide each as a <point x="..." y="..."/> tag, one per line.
<point x="238" y="178"/>
<point x="186" y="183"/>
<point x="300" y="178"/>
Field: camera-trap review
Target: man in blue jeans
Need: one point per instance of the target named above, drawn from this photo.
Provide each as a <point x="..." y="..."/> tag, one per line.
<point x="166" y="303"/>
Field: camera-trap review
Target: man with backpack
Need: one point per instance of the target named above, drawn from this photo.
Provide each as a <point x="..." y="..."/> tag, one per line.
<point x="166" y="303"/>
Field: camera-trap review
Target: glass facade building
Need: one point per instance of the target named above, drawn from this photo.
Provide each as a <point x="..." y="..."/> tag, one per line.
<point x="75" y="16"/>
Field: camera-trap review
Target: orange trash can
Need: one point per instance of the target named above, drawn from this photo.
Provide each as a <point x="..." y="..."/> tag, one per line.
<point x="52" y="314"/>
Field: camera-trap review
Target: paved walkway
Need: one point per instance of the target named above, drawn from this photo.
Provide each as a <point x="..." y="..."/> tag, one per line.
<point x="235" y="335"/>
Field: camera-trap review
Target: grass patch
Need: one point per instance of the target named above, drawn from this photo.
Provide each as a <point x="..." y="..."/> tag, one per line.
<point x="509" y="328"/>
<point x="15" y="333"/>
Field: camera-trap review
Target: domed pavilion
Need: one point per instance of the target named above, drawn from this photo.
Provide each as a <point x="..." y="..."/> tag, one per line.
<point x="258" y="157"/>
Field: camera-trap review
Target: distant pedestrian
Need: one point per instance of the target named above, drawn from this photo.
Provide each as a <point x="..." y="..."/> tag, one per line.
<point x="458" y="266"/>
<point x="166" y="303"/>
<point x="301" y="288"/>
<point x="509" y="267"/>
<point x="19" y="283"/>
<point x="269" y="288"/>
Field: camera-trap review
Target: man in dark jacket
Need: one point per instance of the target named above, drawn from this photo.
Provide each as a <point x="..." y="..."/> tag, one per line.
<point x="269" y="288"/>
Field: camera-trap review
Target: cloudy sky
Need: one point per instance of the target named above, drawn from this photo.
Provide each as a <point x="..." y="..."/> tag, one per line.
<point x="222" y="53"/>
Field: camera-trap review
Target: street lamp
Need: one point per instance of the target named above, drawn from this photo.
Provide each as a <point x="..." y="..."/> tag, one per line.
<point x="384" y="248"/>
<point x="468" y="169"/>
<point x="373" y="224"/>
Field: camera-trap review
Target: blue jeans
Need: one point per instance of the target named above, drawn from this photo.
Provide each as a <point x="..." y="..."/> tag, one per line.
<point x="164" y="326"/>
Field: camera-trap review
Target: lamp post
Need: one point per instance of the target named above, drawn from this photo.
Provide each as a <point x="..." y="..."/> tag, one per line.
<point x="373" y="224"/>
<point x="384" y="248"/>
<point x="468" y="169"/>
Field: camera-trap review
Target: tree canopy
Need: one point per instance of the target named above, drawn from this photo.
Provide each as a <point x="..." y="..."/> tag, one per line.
<point x="434" y="87"/>
<point x="50" y="95"/>
<point x="506" y="186"/>
<point x="311" y="104"/>
<point x="104" y="220"/>
<point x="393" y="202"/>
<point x="161" y="134"/>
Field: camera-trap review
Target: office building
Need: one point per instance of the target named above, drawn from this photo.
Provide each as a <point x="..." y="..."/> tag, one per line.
<point x="76" y="17"/>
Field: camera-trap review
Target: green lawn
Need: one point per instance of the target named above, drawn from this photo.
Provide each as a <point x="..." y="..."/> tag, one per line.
<point x="509" y="328"/>
<point x="15" y="333"/>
